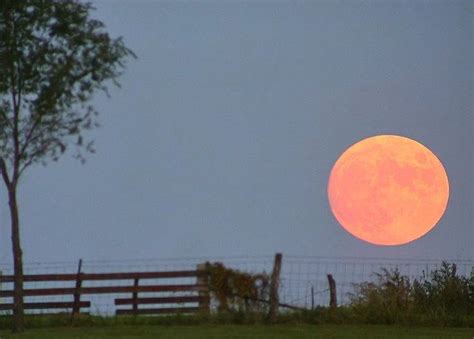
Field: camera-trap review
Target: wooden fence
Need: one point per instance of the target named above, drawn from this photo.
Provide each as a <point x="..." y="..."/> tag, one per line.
<point x="196" y="294"/>
<point x="135" y="295"/>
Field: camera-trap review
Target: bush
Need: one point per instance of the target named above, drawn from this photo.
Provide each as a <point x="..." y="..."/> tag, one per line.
<point x="238" y="291"/>
<point x="440" y="298"/>
<point x="444" y="292"/>
<point x="385" y="301"/>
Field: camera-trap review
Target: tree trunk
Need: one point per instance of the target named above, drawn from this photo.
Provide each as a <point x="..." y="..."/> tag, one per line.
<point x="18" y="312"/>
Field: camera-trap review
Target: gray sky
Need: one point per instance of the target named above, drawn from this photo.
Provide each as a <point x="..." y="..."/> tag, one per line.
<point x="221" y="139"/>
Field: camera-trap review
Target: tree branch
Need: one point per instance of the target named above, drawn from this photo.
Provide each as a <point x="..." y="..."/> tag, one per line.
<point x="32" y="158"/>
<point x="39" y="115"/>
<point x="5" y="118"/>
<point x="3" y="169"/>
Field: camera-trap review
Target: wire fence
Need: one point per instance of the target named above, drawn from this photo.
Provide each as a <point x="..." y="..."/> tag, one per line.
<point x="305" y="283"/>
<point x="303" y="280"/>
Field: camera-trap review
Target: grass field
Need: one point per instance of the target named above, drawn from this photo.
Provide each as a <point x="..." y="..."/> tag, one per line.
<point x="257" y="331"/>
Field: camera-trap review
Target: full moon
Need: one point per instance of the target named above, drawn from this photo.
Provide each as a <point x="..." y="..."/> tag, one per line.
<point x="388" y="190"/>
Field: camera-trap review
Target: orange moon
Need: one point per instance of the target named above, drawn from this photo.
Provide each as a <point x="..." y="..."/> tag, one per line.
<point x="388" y="190"/>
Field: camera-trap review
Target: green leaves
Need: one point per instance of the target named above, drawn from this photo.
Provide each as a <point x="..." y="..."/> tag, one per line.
<point x="53" y="58"/>
<point x="394" y="297"/>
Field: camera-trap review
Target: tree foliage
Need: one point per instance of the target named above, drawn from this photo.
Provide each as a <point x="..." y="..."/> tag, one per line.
<point x="54" y="57"/>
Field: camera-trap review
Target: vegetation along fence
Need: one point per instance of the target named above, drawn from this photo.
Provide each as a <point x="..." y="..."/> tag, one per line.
<point x="163" y="286"/>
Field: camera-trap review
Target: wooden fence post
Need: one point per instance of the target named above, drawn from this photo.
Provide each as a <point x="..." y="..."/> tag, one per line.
<point x="203" y="282"/>
<point x="77" y="292"/>
<point x="332" y="291"/>
<point x="274" y="285"/>
<point x="135" y="297"/>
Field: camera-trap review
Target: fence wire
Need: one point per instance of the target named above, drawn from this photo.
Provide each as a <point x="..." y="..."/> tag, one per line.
<point x="303" y="280"/>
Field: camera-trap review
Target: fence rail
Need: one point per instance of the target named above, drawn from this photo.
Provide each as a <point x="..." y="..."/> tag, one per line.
<point x="199" y="302"/>
<point x="102" y="276"/>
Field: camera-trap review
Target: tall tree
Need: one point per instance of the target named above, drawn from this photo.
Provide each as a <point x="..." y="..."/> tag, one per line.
<point x="53" y="58"/>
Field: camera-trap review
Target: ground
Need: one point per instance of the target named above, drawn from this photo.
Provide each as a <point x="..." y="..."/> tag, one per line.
<point x="254" y="332"/>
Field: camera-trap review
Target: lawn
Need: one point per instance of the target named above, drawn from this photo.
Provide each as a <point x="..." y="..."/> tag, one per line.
<point x="236" y="331"/>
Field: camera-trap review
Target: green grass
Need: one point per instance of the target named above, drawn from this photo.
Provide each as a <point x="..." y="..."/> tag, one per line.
<point x="245" y="331"/>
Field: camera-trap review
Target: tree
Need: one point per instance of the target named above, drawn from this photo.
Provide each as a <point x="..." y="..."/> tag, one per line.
<point x="53" y="57"/>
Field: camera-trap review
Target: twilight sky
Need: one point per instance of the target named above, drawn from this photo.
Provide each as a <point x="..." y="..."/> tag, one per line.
<point x="222" y="137"/>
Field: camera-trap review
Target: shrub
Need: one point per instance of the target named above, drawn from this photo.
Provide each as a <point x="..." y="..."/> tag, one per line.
<point x="440" y="298"/>
<point x="385" y="301"/>
<point x="238" y="291"/>
<point x="444" y="292"/>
